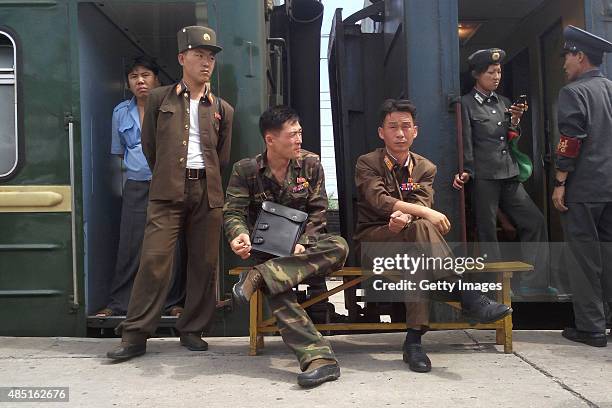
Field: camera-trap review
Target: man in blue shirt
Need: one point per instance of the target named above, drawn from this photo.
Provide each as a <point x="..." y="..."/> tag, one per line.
<point x="142" y="77"/>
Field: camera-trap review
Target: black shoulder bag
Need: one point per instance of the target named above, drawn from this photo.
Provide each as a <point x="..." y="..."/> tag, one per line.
<point x="278" y="228"/>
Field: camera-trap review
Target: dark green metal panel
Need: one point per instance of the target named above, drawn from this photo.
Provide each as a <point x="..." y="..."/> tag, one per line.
<point x="35" y="278"/>
<point x="433" y="77"/>
<point x="35" y="248"/>
<point x="242" y="82"/>
<point x="45" y="90"/>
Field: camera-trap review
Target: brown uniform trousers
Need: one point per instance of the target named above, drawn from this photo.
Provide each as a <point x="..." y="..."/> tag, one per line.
<point x="177" y="203"/>
<point x="417" y="309"/>
<point x="202" y="232"/>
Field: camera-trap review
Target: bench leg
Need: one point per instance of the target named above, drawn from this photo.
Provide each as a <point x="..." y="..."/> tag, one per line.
<point x="500" y="335"/>
<point x="260" y="316"/>
<point x="508" y="319"/>
<point x="500" y="332"/>
<point x="253" y="326"/>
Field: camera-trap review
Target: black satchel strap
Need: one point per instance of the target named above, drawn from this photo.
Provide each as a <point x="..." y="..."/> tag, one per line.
<point x="258" y="177"/>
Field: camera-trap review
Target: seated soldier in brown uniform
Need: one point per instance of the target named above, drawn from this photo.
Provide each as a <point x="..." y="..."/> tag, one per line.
<point x="395" y="188"/>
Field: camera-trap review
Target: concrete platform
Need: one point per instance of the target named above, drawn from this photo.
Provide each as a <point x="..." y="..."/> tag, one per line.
<point x="469" y="371"/>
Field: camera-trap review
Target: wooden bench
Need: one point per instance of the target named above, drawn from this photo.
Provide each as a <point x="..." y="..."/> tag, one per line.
<point x="258" y="326"/>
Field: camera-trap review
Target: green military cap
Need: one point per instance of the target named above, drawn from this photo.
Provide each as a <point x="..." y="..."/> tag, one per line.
<point x="577" y="39"/>
<point x="197" y="36"/>
<point x="487" y="57"/>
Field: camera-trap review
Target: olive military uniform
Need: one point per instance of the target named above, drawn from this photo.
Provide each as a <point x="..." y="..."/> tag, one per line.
<point x="376" y="174"/>
<point x="303" y="189"/>
<point x="178" y="201"/>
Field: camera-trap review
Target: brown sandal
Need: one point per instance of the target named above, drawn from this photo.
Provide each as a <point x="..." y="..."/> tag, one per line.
<point x="106" y="312"/>
<point x="175" y="311"/>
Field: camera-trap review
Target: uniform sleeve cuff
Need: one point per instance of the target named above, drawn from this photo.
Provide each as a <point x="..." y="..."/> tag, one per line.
<point x="237" y="231"/>
<point x="565" y="164"/>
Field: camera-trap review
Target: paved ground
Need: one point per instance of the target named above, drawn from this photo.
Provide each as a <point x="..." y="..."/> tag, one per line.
<point x="469" y="371"/>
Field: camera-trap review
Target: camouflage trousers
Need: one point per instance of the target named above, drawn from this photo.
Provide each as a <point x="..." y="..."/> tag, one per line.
<point x="325" y="254"/>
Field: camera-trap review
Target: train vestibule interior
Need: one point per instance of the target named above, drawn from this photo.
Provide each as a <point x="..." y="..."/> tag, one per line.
<point x="530" y="31"/>
<point x="129" y="29"/>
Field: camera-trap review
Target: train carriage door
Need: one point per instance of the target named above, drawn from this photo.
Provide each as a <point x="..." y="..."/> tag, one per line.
<point x="40" y="283"/>
<point x="598" y="20"/>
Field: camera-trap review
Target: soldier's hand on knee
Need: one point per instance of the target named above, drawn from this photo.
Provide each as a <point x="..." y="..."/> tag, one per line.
<point x="459" y="182"/>
<point x="241" y="245"/>
<point x="439" y="221"/>
<point x="398" y="221"/>
<point x="299" y="248"/>
<point x="558" y="198"/>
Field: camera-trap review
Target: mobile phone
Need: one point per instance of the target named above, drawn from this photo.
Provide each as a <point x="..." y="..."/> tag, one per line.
<point x="521" y="100"/>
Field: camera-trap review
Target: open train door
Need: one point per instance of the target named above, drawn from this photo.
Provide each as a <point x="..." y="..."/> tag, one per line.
<point x="598" y="20"/>
<point x="395" y="52"/>
<point x="40" y="266"/>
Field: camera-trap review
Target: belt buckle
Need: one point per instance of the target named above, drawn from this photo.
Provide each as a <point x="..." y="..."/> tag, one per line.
<point x="190" y="172"/>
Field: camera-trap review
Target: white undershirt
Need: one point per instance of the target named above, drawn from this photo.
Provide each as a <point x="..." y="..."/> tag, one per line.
<point x="195" y="158"/>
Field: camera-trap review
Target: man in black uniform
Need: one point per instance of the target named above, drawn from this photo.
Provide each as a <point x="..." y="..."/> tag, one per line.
<point x="583" y="185"/>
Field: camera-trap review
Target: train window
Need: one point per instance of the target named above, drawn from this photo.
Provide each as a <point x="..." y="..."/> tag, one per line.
<point x="8" y="105"/>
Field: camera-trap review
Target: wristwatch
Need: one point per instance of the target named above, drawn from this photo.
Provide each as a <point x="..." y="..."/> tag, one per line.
<point x="559" y="183"/>
<point x="409" y="222"/>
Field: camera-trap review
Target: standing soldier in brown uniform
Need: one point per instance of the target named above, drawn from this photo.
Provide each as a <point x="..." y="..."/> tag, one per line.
<point x="294" y="178"/>
<point x="395" y="188"/>
<point x="186" y="136"/>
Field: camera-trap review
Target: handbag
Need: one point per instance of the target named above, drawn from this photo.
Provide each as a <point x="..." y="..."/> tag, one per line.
<point x="525" y="166"/>
<point x="277" y="228"/>
<point x="522" y="160"/>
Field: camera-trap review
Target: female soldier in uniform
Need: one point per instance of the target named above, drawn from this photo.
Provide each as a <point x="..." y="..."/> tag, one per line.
<point x="489" y="163"/>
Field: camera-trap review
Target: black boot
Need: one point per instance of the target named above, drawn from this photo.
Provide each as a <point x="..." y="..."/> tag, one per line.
<point x="590" y="338"/>
<point x="319" y="371"/>
<point x="477" y="308"/>
<point x="248" y="284"/>
<point x="414" y="355"/>
<point x="193" y="341"/>
<point x="126" y="351"/>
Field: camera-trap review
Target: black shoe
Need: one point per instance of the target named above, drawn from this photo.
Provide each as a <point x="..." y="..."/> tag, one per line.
<point x="319" y="375"/>
<point x="590" y="338"/>
<point x="127" y="351"/>
<point x="485" y="310"/>
<point x="416" y="358"/>
<point x="193" y="342"/>
<point x="248" y="284"/>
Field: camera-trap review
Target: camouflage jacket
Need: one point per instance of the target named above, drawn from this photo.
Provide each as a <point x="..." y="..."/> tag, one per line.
<point x="302" y="189"/>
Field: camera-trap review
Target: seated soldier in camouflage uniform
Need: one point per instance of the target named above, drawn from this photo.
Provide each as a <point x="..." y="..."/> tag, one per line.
<point x="395" y="190"/>
<point x="294" y="178"/>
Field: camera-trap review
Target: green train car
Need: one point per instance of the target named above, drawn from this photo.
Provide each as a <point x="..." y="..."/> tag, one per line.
<point x="61" y="74"/>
